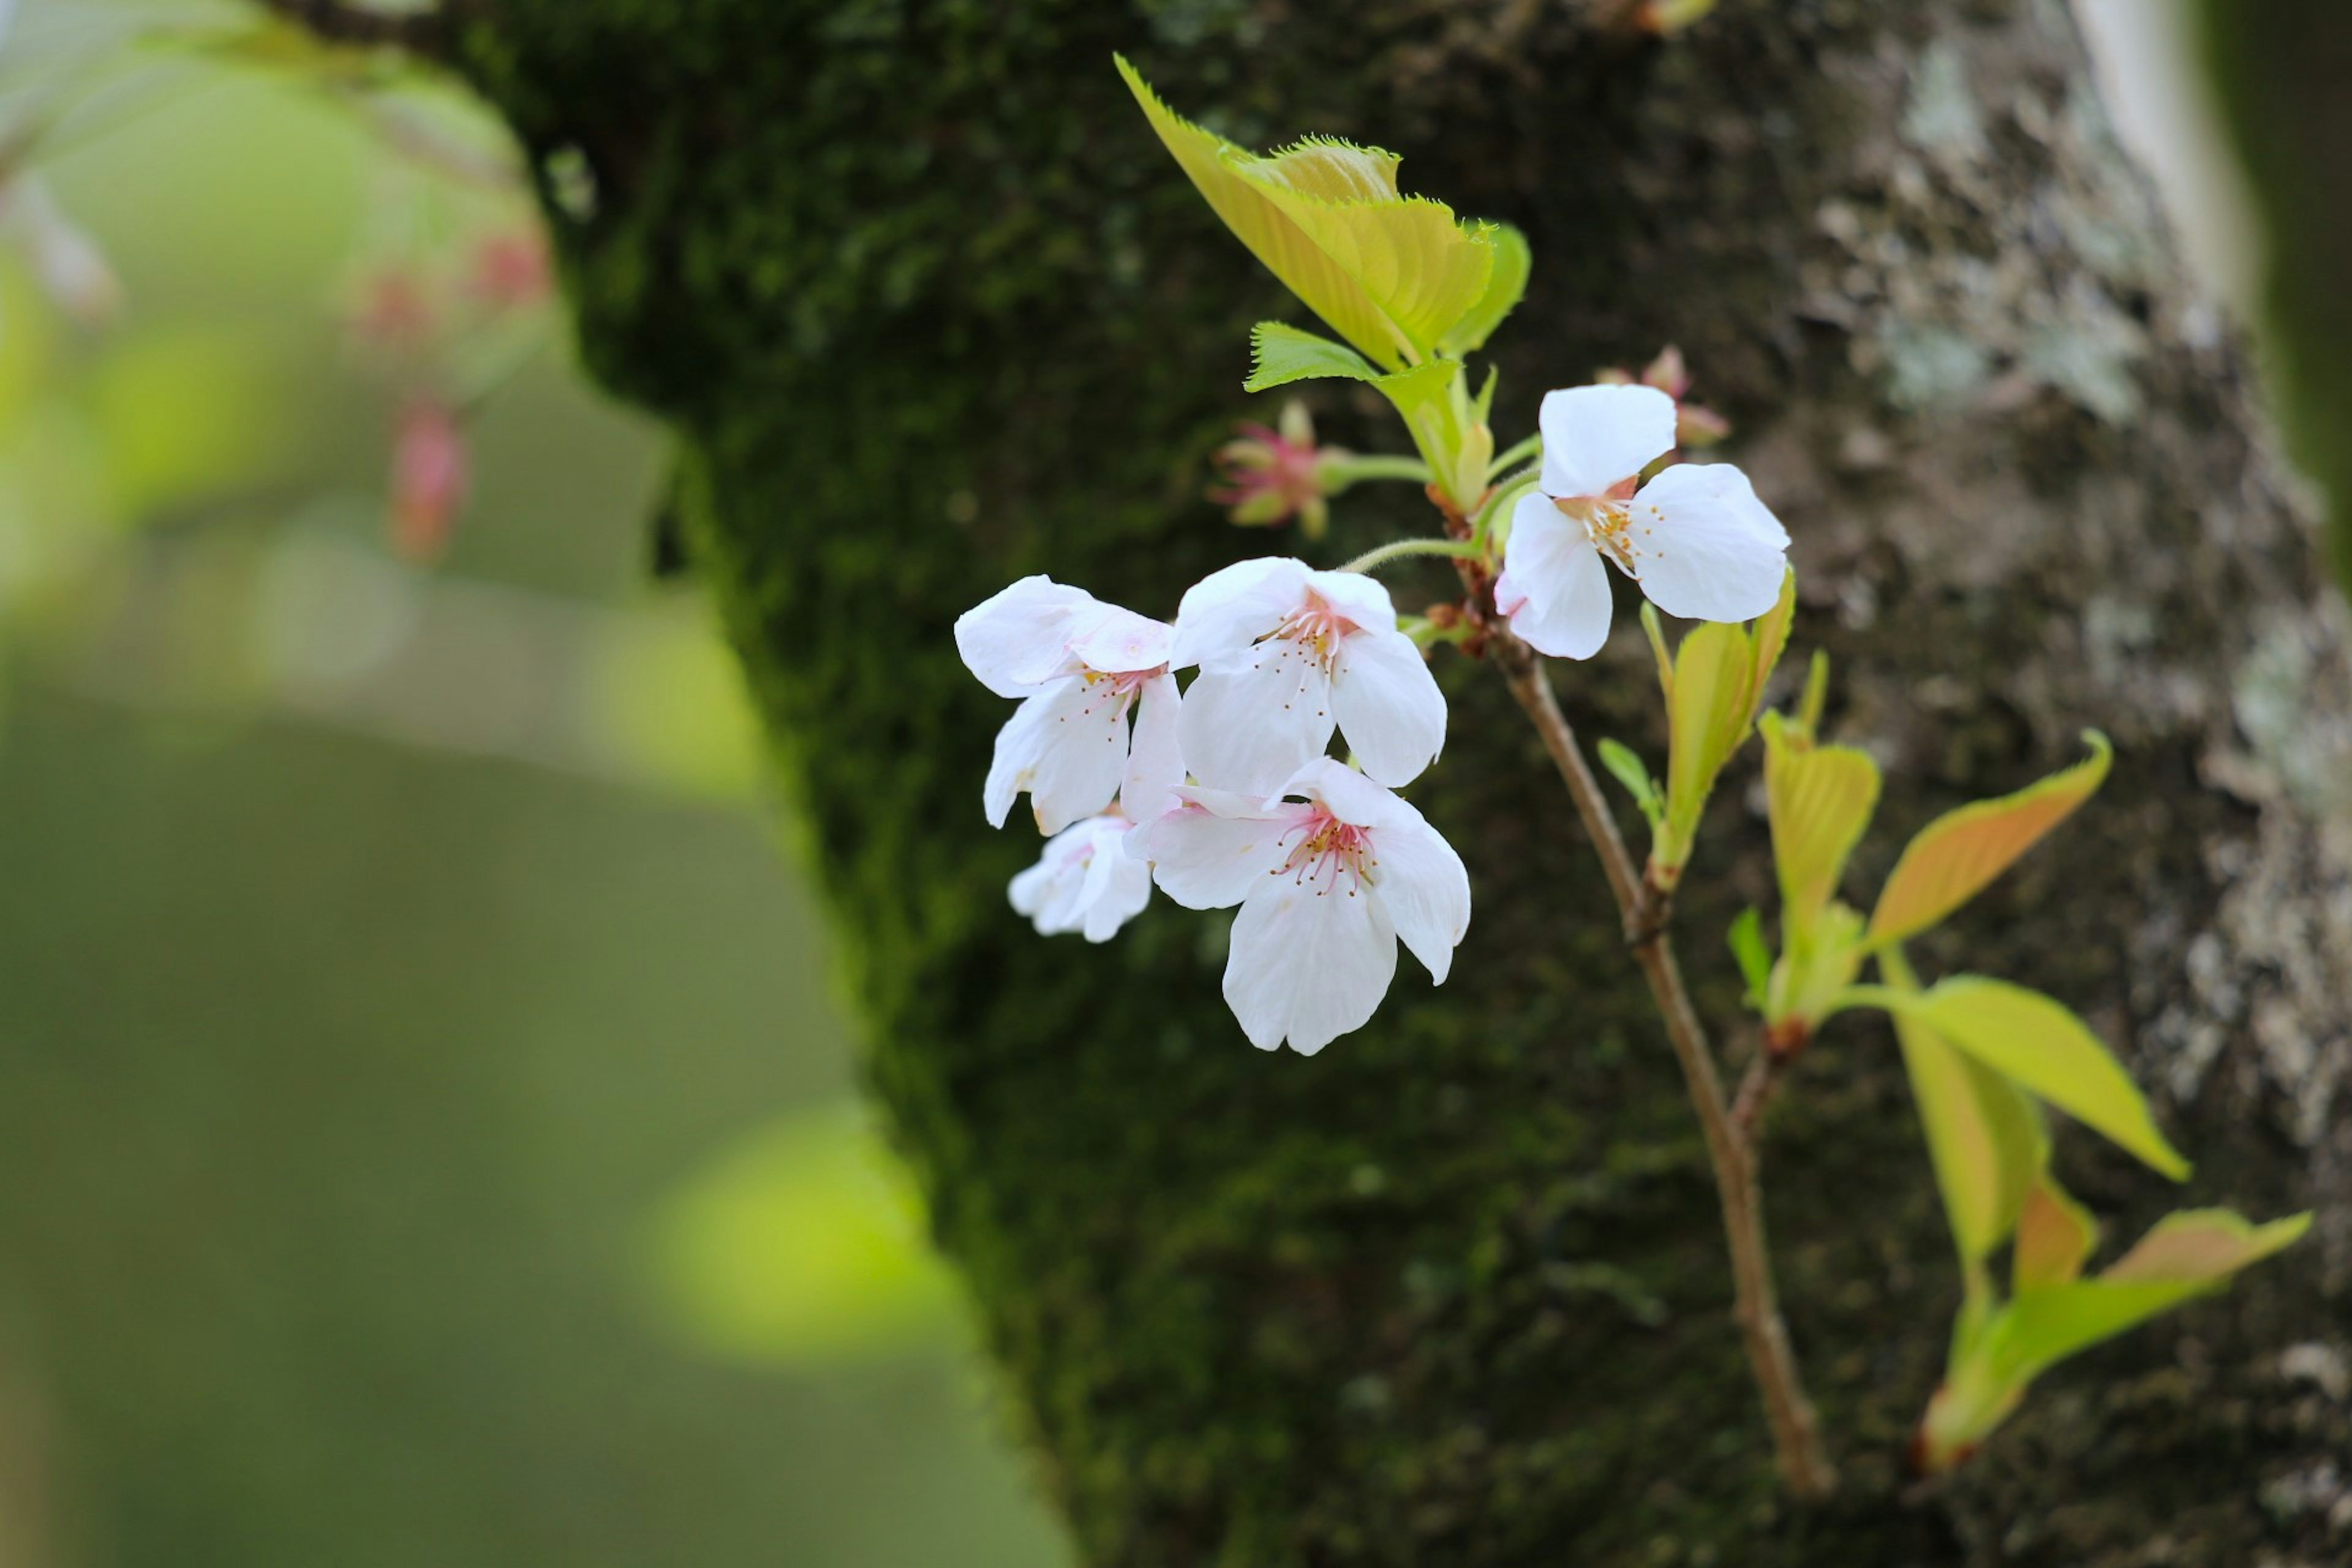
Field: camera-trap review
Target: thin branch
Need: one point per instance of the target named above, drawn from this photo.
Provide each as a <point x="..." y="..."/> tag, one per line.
<point x="1795" y="1435"/>
<point x="426" y="34"/>
<point x="1756" y="1090"/>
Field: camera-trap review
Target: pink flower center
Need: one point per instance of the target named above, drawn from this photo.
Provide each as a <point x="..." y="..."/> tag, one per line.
<point x="1314" y="630"/>
<point x="1332" y="850"/>
<point x="1119" y="688"/>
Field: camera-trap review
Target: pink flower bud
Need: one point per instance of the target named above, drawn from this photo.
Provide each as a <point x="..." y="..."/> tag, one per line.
<point x="1271" y="475"/>
<point x="393" y="311"/>
<point x="509" y="271"/>
<point x="430" y="477"/>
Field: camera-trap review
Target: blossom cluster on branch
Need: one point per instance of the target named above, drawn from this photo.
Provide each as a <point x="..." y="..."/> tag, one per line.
<point x="1226" y="792"/>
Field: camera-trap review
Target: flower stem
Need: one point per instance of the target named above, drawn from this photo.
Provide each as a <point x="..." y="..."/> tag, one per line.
<point x="1376" y="466"/>
<point x="1796" y="1437"/>
<point x="1519" y="453"/>
<point x="1397" y="550"/>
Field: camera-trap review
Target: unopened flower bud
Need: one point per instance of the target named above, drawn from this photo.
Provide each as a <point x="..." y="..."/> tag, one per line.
<point x="509" y="271"/>
<point x="1271" y="475"/>
<point x="430" y="477"/>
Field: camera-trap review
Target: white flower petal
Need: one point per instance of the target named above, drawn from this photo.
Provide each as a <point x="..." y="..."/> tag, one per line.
<point x="1344" y="792"/>
<point x="1120" y="642"/>
<point x="1211" y="856"/>
<point x="1047" y="893"/>
<point x="1310" y="961"/>
<point x="1252" y="728"/>
<point x="1387" y="705"/>
<point x="1596" y="436"/>
<point x="1361" y="598"/>
<point x="1067" y="747"/>
<point x="1084" y="880"/>
<point x="1019" y="638"/>
<point x="1117" y="887"/>
<point x="1703" y="547"/>
<point x="1553" y="586"/>
<point x="1155" y="763"/>
<point x="1424" y="887"/>
<point x="1223" y="613"/>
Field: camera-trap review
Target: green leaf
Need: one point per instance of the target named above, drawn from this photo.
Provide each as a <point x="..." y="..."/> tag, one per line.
<point x="2185" y="1254"/>
<point x="1389" y="273"/>
<point x="1504" y="286"/>
<point x="1819" y="800"/>
<point x="1955" y="857"/>
<point x="1438" y="414"/>
<point x="1748" y="950"/>
<point x="2045" y="1049"/>
<point x="801" y="1245"/>
<point x="1984" y="1139"/>
<point x="1281" y="354"/>
<point x="1634" y="774"/>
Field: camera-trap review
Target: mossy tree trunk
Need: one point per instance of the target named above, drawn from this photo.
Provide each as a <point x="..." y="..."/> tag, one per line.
<point x="928" y="308"/>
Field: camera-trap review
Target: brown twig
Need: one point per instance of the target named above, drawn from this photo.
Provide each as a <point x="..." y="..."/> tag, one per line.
<point x="1795" y="1435"/>
<point x="426" y="34"/>
<point x="1756" y="1090"/>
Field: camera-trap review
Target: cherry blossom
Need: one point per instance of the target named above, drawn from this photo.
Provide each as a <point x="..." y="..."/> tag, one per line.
<point x="1078" y="666"/>
<point x="1084" y="881"/>
<point x="1288" y="654"/>
<point x="1695" y="538"/>
<point x="1327" y="885"/>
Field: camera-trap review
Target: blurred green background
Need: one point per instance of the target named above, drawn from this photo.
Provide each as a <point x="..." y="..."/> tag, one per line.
<point x="424" y="1127"/>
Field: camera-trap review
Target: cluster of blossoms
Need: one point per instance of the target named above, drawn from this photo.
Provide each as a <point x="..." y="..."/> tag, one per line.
<point x="443" y="339"/>
<point x="1223" y="793"/>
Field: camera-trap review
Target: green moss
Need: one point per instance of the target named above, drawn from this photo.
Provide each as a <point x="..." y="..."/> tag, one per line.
<point x="930" y="310"/>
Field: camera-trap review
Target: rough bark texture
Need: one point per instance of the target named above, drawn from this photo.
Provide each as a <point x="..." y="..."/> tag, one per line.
<point x="930" y="309"/>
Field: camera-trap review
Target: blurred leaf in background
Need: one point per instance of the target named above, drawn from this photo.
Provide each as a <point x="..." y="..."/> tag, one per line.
<point x="802" y="1246"/>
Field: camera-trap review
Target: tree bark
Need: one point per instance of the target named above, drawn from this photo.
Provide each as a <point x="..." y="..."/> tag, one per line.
<point x="928" y="308"/>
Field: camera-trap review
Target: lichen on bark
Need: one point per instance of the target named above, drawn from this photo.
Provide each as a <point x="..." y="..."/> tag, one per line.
<point x="929" y="309"/>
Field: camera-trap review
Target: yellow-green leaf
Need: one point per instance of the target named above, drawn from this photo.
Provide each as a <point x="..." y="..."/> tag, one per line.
<point x="801" y="1245"/>
<point x="2187" y="1254"/>
<point x="1391" y="273"/>
<point x="2045" y="1049"/>
<point x="1769" y="638"/>
<point x="1280" y="354"/>
<point x="1504" y="285"/>
<point x="1984" y="1139"/>
<point x="1958" y="854"/>
<point x="1819" y="799"/>
<point x="2055" y="1237"/>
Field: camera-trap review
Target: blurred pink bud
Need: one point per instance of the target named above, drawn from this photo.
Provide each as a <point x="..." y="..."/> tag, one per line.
<point x="510" y="270"/>
<point x="393" y="312"/>
<point x="65" y="260"/>
<point x="1271" y="475"/>
<point x="430" y="475"/>
<point x="1695" y="424"/>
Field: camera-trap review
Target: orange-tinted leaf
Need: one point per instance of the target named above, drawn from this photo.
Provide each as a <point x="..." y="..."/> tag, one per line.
<point x="2054" y="1237"/>
<point x="1958" y="854"/>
